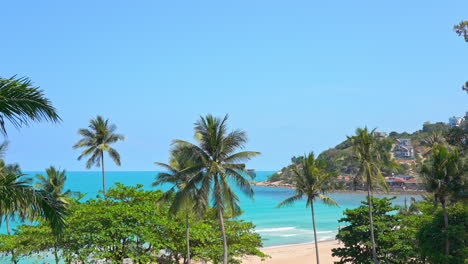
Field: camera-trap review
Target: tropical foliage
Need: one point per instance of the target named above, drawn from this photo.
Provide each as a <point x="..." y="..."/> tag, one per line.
<point x="311" y="180"/>
<point x="392" y="243"/>
<point x="54" y="184"/>
<point x="21" y="102"/>
<point x="129" y="224"/>
<point x="368" y="152"/>
<point x="17" y="197"/>
<point x="215" y="162"/>
<point x="96" y="140"/>
<point x="445" y="177"/>
<point x="176" y="176"/>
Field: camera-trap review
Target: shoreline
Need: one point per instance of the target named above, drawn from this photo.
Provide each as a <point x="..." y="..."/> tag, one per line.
<point x="301" y="253"/>
<point x="287" y="186"/>
<point x="299" y="244"/>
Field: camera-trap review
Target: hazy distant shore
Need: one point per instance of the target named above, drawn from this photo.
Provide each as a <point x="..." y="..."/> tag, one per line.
<point x="288" y="186"/>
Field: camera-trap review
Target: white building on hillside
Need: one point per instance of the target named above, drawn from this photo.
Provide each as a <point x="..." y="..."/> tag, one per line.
<point x="455" y="121"/>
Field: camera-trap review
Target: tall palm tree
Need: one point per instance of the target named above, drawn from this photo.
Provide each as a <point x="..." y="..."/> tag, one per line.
<point x="96" y="140"/>
<point x="368" y="151"/>
<point x="21" y="103"/>
<point x="443" y="176"/>
<point x="311" y="180"/>
<point x="215" y="161"/>
<point x="176" y="174"/>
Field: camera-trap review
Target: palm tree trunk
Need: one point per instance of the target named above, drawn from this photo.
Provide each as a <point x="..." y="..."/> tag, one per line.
<point x="446" y="224"/>
<point x="7" y="222"/>
<point x="223" y="232"/>
<point x="374" y="251"/>
<point x="12" y="252"/>
<point x="103" y="173"/>
<point x="187" y="235"/>
<point x="315" y="233"/>
<point x="57" y="260"/>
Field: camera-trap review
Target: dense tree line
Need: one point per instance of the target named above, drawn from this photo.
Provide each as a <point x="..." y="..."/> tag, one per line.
<point x="130" y="223"/>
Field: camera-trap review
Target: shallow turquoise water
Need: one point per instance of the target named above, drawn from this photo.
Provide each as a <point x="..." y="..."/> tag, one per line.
<point x="277" y="226"/>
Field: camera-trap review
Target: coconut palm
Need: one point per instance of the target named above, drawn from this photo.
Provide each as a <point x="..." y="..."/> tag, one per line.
<point x="311" y="180"/>
<point x="21" y="103"/>
<point x="215" y="162"/>
<point x="54" y="184"/>
<point x="18" y="197"/>
<point x="96" y="140"/>
<point x="443" y="176"/>
<point x="369" y="153"/>
<point x="176" y="174"/>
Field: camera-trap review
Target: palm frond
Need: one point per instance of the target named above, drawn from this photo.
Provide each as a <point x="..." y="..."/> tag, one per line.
<point x="21" y="102"/>
<point x="290" y="200"/>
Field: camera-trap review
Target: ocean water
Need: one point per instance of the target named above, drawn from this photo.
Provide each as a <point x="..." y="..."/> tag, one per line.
<point x="277" y="226"/>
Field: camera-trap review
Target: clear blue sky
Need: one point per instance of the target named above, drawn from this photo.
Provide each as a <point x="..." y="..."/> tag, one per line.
<point x="296" y="75"/>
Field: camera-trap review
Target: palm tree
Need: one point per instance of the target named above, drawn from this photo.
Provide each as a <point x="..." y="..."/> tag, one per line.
<point x="443" y="176"/>
<point x="368" y="151"/>
<point x="20" y="103"/>
<point x="311" y="180"/>
<point x="215" y="161"/>
<point x="96" y="140"/>
<point x="176" y="175"/>
<point x="18" y="197"/>
<point x="54" y="184"/>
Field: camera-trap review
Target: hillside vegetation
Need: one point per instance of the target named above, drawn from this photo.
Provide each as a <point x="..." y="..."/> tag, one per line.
<point x="342" y="161"/>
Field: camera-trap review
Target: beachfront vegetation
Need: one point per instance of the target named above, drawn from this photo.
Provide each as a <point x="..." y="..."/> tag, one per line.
<point x="415" y="238"/>
<point x="175" y="175"/>
<point x="427" y="233"/>
<point x="391" y="246"/>
<point x="215" y="162"/>
<point x="128" y="223"/>
<point x="97" y="139"/>
<point x="21" y="102"/>
<point x="443" y="176"/>
<point x="54" y="184"/>
<point x="19" y="199"/>
<point x="311" y="180"/>
<point x="369" y="152"/>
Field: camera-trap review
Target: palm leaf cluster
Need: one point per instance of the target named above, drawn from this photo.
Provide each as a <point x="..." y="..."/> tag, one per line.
<point x="54" y="184"/>
<point x="21" y="103"/>
<point x="19" y="198"/>
<point x="368" y="151"/>
<point x="311" y="180"/>
<point x="96" y="140"/>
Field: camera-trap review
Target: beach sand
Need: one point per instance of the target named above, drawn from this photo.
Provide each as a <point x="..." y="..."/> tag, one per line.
<point x="296" y="254"/>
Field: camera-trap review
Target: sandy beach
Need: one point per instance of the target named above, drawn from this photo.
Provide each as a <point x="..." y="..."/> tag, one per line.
<point x="296" y="254"/>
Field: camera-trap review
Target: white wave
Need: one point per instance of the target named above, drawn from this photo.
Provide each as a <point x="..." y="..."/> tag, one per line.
<point x="324" y="232"/>
<point x="279" y="229"/>
<point x="288" y="235"/>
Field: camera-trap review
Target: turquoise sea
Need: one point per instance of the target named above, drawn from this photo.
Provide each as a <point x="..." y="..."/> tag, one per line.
<point x="277" y="226"/>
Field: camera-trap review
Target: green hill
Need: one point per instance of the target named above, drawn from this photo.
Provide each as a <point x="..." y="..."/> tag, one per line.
<point x="342" y="161"/>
